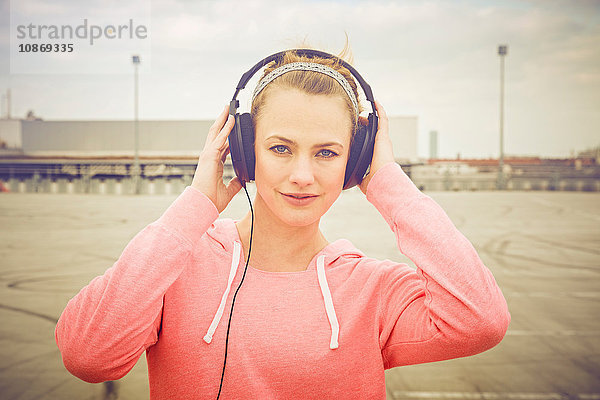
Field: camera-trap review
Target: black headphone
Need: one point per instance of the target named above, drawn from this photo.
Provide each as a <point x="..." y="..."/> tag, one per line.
<point x="241" y="137"/>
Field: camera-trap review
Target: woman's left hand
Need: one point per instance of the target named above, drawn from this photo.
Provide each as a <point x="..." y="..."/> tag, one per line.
<point x="382" y="152"/>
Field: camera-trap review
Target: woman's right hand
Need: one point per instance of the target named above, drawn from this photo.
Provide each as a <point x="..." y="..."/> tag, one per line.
<point x="208" y="177"/>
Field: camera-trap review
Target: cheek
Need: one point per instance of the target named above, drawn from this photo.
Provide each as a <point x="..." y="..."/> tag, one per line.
<point x="266" y="168"/>
<point x="336" y="173"/>
<point x="338" y="168"/>
<point x="268" y="175"/>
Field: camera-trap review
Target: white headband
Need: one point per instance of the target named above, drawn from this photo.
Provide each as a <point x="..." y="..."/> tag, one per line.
<point x="307" y="66"/>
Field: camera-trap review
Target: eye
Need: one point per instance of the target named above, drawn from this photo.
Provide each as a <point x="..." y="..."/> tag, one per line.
<point x="327" y="153"/>
<point x="279" y="149"/>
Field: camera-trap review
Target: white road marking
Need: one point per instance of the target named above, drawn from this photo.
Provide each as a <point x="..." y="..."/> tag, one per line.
<point x="582" y="294"/>
<point x="566" y="332"/>
<point x="406" y="395"/>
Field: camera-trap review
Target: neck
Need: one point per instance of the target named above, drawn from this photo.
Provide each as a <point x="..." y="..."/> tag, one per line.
<point x="277" y="246"/>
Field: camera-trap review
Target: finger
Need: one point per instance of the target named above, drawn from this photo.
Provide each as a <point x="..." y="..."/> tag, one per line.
<point x="383" y="123"/>
<point x="380" y="109"/>
<point x="221" y="138"/>
<point x="216" y="126"/>
<point x="233" y="187"/>
<point x="224" y="157"/>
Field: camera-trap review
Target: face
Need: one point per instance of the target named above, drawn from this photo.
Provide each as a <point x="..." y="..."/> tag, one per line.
<point x="302" y="142"/>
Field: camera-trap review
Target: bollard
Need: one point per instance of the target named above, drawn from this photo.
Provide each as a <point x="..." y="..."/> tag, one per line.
<point x="94" y="187"/>
<point x="177" y="186"/>
<point x="160" y="186"/>
<point x="126" y="186"/>
<point x="110" y="185"/>
<point x="77" y="186"/>
<point x="62" y="185"/>
<point x="29" y="186"/>
<point x="144" y="186"/>
<point x="13" y="185"/>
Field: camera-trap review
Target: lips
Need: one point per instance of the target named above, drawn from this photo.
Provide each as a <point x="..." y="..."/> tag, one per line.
<point x="299" y="199"/>
<point x="299" y="195"/>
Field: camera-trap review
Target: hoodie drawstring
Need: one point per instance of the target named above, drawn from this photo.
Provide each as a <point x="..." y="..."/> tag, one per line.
<point x="237" y="251"/>
<point x="335" y="326"/>
<point x="333" y="322"/>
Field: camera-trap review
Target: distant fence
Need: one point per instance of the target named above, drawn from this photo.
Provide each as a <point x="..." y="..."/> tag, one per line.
<point x="171" y="178"/>
<point x="99" y="186"/>
<point x="512" y="184"/>
<point x="534" y="178"/>
<point x="99" y="178"/>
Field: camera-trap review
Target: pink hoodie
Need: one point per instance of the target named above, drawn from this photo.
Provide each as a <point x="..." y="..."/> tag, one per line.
<point x="327" y="332"/>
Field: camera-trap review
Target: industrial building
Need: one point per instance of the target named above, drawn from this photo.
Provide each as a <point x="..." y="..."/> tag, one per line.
<point x="157" y="138"/>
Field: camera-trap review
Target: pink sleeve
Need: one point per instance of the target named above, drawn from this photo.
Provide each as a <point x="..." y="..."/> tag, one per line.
<point x="451" y="305"/>
<point x="107" y="326"/>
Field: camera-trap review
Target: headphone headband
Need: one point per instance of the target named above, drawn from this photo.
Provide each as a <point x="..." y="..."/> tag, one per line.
<point x="303" y="52"/>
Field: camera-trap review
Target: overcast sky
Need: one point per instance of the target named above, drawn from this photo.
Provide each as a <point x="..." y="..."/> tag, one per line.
<point x="436" y="60"/>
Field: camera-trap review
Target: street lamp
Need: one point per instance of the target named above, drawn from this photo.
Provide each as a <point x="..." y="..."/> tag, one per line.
<point x="502" y="51"/>
<point x="136" y="161"/>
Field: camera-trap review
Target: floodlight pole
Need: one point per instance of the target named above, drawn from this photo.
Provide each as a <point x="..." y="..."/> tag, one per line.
<point x="502" y="51"/>
<point x="136" y="160"/>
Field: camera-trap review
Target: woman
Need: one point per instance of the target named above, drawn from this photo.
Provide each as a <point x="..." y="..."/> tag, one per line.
<point x="313" y="319"/>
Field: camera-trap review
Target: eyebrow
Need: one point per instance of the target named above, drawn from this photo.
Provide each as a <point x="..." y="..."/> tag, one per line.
<point x="284" y="139"/>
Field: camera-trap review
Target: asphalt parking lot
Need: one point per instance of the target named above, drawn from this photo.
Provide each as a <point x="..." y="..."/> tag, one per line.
<point x="542" y="247"/>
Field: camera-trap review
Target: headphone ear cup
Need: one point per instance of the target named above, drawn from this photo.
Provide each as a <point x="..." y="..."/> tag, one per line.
<point x="240" y="139"/>
<point x="355" y="149"/>
<point x="361" y="152"/>
<point x="247" y="133"/>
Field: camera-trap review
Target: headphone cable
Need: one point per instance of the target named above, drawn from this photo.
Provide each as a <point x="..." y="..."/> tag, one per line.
<point x="236" y="292"/>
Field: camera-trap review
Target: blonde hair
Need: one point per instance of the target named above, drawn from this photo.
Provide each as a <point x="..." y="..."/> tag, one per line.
<point x="311" y="82"/>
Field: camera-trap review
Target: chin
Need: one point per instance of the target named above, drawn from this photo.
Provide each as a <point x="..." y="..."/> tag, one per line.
<point x="299" y="216"/>
<point x="300" y="220"/>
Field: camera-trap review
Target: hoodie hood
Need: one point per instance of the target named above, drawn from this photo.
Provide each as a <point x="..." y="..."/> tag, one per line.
<point x="225" y="233"/>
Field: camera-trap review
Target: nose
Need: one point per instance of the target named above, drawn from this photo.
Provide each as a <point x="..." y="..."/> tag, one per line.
<point x="302" y="173"/>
